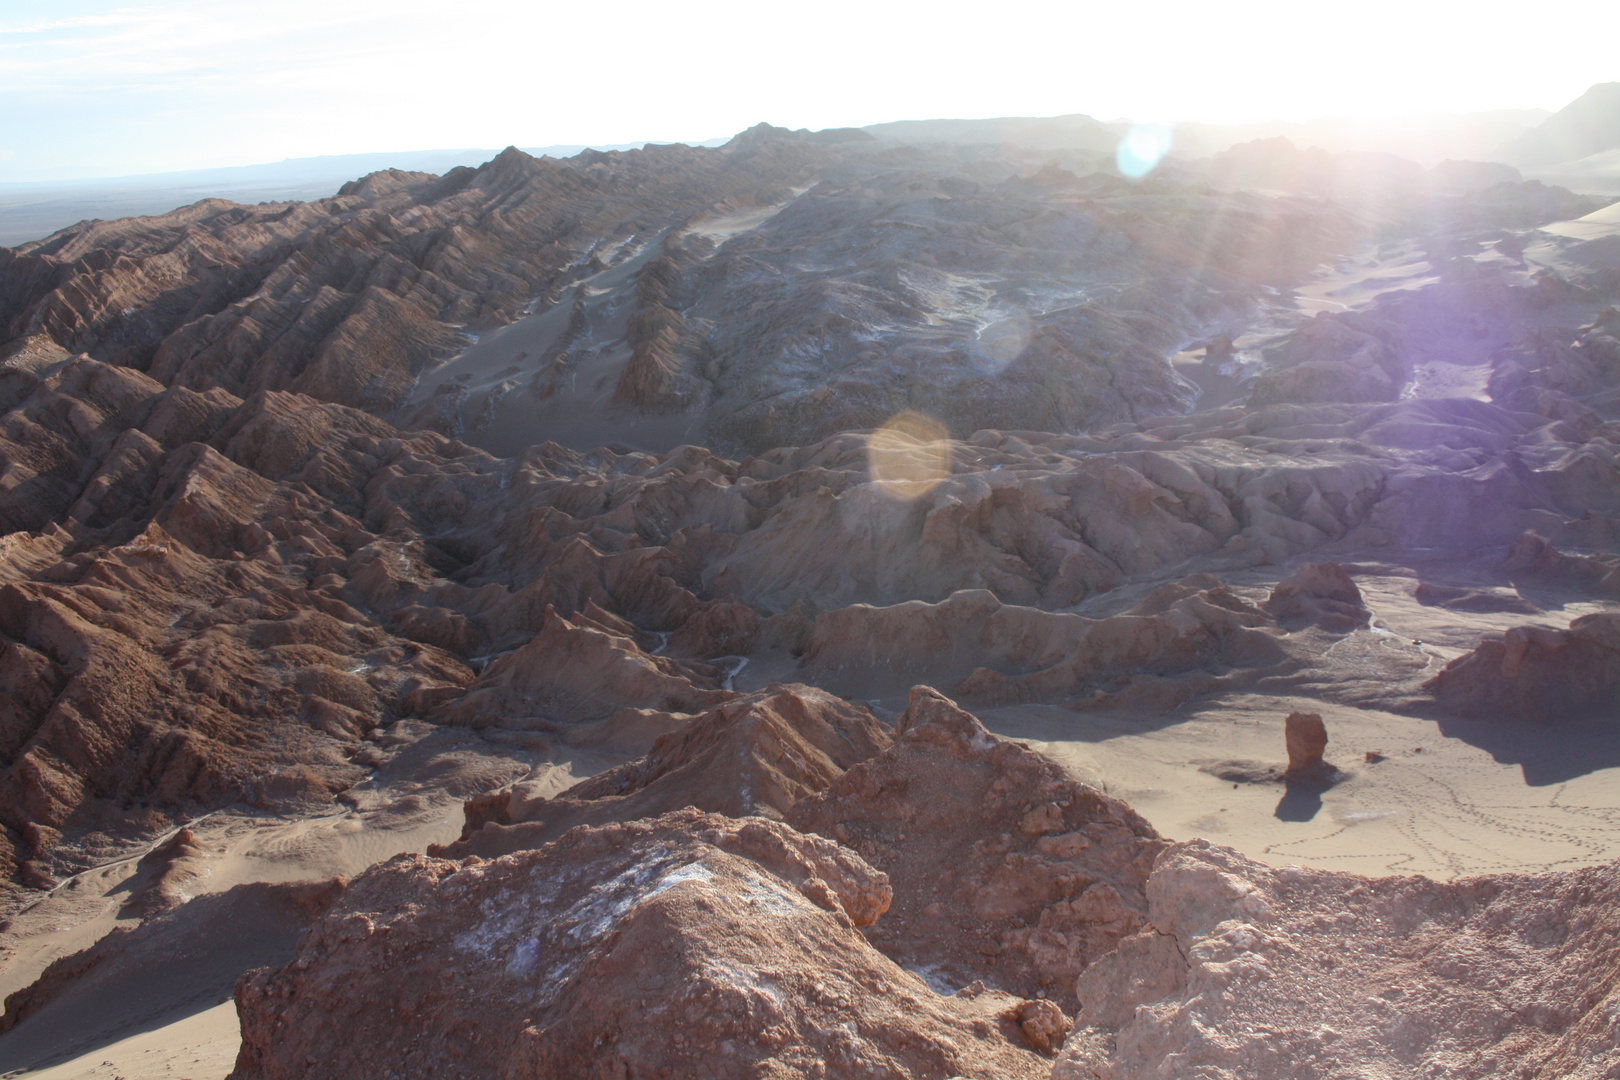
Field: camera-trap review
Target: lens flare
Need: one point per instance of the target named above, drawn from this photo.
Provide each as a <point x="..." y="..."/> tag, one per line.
<point x="1142" y="148"/>
<point x="909" y="455"/>
<point x="1002" y="342"/>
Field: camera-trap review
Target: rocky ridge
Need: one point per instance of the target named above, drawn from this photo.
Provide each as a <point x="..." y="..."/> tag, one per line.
<point x="756" y="755"/>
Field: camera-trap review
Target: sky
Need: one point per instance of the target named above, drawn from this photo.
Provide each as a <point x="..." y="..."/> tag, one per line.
<point x="104" y="88"/>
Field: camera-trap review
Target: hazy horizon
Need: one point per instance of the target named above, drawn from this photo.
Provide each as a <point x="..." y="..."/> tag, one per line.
<point x="1390" y="123"/>
<point x="110" y="89"/>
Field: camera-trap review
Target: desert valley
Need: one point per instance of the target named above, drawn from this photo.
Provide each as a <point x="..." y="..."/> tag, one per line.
<point x="914" y="602"/>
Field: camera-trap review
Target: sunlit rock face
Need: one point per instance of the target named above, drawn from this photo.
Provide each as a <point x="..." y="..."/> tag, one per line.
<point x="1004" y="870"/>
<point x="689" y="943"/>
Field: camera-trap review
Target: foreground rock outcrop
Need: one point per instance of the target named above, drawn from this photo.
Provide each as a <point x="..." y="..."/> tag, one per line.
<point x="1004" y="870"/>
<point x="684" y="945"/>
<point x="1260" y="973"/>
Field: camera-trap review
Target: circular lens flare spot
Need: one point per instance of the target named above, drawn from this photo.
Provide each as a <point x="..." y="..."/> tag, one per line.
<point x="909" y="455"/>
<point x="1142" y="148"/>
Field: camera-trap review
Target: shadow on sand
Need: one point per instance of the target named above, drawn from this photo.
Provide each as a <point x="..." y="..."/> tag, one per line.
<point x="170" y="967"/>
<point x="1302" y="798"/>
<point x="1546" y="753"/>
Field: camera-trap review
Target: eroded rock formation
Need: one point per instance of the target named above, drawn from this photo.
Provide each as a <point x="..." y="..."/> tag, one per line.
<point x="687" y="944"/>
<point x="306" y="573"/>
<point x="1536" y="673"/>
<point x="1016" y="654"/>
<point x="754" y="755"/>
<point x="1004" y="870"/>
<point x="1320" y="593"/>
<point x="1307" y="738"/>
<point x="1532" y="558"/>
<point x="581" y="669"/>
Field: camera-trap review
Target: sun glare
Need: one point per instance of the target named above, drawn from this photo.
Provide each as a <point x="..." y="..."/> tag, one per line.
<point x="909" y="455"/>
<point x="1142" y="148"/>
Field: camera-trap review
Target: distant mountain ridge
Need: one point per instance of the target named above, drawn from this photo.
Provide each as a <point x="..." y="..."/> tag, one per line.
<point x="1578" y="147"/>
<point x="1075" y="131"/>
<point x="1586" y="126"/>
<point x="35" y="209"/>
<point x="1426" y="140"/>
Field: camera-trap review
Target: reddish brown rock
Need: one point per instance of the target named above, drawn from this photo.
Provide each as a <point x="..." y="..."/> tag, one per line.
<point x="1016" y="654"/>
<point x="229" y="565"/>
<point x="1307" y="738"/>
<point x="1142" y="969"/>
<point x="222" y="568"/>
<point x="1321" y="593"/>
<point x="574" y="669"/>
<point x="1536" y="673"/>
<point x="1004" y="869"/>
<point x="311" y="572"/>
<point x="1043" y="1024"/>
<point x="65" y="418"/>
<point x="757" y="754"/>
<point x="724" y="628"/>
<point x="1533" y="557"/>
<point x="169" y="875"/>
<point x="155" y="666"/>
<point x="687" y="945"/>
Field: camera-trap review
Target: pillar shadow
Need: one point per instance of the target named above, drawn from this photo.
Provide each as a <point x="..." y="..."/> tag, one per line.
<point x="1302" y="799"/>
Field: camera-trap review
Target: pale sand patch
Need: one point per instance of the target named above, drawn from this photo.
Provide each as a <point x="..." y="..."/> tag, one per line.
<point x="248" y="849"/>
<point x="1453" y="796"/>
<point x="202" y="1046"/>
<point x="199" y="1047"/>
<point x="1358" y="278"/>
<point x="1437" y="805"/>
<point x="1609" y="215"/>
<point x="1594" y="226"/>
<point x="406" y="810"/>
<point x="722" y="227"/>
